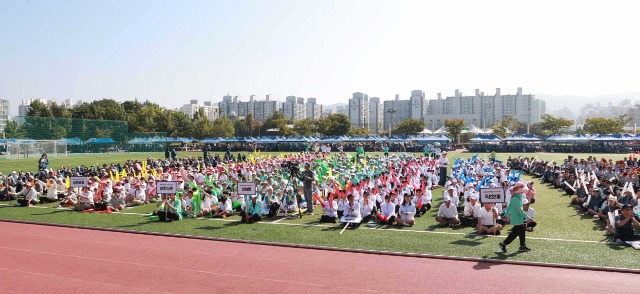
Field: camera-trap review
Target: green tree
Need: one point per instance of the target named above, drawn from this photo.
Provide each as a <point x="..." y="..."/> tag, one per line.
<point x="336" y="124"/>
<point x="454" y="127"/>
<point x="553" y="125"/>
<point x="505" y="127"/>
<point x="599" y="125"/>
<point x="59" y="111"/>
<point x="410" y="127"/>
<point x="278" y="121"/>
<point x="222" y="127"/>
<point x="38" y="109"/>
<point x="305" y="127"/>
<point x="177" y="124"/>
<point x="360" y="132"/>
<point x="14" y="131"/>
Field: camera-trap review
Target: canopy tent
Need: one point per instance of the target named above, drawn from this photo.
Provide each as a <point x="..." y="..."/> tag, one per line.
<point x="426" y="131"/>
<point x="100" y="141"/>
<point x="363" y="139"/>
<point x="137" y="140"/>
<point x="442" y="139"/>
<point x="267" y="140"/>
<point x="441" y="130"/>
<point x="334" y="139"/>
<point x="613" y="138"/>
<point x="564" y="138"/>
<point x="299" y="139"/>
<point x="475" y="130"/>
<point x="211" y="140"/>
<point x="71" y="141"/>
<point x="486" y="139"/>
<point x="523" y="138"/>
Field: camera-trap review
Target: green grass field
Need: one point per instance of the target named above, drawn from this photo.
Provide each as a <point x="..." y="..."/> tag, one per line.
<point x="563" y="235"/>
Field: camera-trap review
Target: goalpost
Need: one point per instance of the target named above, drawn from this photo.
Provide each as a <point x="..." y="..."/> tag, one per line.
<point x="35" y="148"/>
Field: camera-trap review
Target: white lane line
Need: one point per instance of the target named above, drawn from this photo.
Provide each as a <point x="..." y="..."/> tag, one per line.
<point x="278" y="222"/>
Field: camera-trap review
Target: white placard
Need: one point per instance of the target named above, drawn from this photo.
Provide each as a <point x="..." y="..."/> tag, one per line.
<point x="166" y="187"/>
<point x="78" y="182"/>
<point x="246" y="188"/>
<point x="492" y="195"/>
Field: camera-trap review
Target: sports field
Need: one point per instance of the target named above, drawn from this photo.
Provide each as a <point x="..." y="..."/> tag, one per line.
<point x="563" y="235"/>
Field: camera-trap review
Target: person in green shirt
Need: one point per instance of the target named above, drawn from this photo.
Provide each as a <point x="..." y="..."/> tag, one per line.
<point x="386" y="151"/>
<point x="252" y="211"/>
<point x="517" y="217"/>
<point x="426" y="150"/>
<point x="172" y="209"/>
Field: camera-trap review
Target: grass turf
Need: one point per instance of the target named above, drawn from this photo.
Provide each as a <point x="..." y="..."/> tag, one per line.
<point x="563" y="235"/>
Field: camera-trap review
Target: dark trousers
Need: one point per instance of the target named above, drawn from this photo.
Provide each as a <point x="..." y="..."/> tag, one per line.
<point x="327" y="219"/>
<point x="23" y="202"/>
<point x="167" y="217"/>
<point x="308" y="196"/>
<point x="47" y="200"/>
<point x="443" y="176"/>
<point x="532" y="225"/>
<point x="367" y="218"/>
<point x="254" y="218"/>
<point x="517" y="231"/>
<point x="423" y="209"/>
<point x="469" y="221"/>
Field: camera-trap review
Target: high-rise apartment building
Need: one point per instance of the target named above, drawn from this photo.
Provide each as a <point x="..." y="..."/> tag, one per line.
<point x="396" y="111"/>
<point x="294" y="108"/>
<point x="359" y="110"/>
<point x="4" y="114"/>
<point x="194" y="106"/>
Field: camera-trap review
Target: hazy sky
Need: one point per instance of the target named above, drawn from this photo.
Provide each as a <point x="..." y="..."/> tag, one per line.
<point x="173" y="51"/>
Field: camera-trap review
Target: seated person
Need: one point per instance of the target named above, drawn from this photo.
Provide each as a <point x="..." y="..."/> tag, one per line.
<point x="351" y="211"/>
<point x="422" y="202"/>
<point x="70" y="199"/>
<point x="330" y="208"/>
<point x="594" y="203"/>
<point x="290" y="203"/>
<point x="85" y="200"/>
<point x="470" y="213"/>
<point x="407" y="212"/>
<point x="29" y="193"/>
<point x="171" y="209"/>
<point x="531" y="193"/>
<point x="223" y="209"/>
<point x="117" y="202"/>
<point x="603" y="213"/>
<point x="137" y="196"/>
<point x="367" y="207"/>
<point x="207" y="202"/>
<point x="447" y="213"/>
<point x="52" y="194"/>
<point x="624" y="225"/>
<point x="531" y="223"/>
<point x="271" y="203"/>
<point x="187" y="203"/>
<point x="387" y="213"/>
<point x="487" y="220"/>
<point x="251" y="212"/>
<point x="626" y="198"/>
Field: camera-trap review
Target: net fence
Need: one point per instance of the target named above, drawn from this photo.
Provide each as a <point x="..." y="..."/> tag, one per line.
<point x="35" y="148"/>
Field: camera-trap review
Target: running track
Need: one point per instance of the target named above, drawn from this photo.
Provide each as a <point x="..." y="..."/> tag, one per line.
<point x="45" y="259"/>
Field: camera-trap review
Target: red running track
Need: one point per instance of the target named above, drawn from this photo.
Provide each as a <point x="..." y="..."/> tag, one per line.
<point x="45" y="259"/>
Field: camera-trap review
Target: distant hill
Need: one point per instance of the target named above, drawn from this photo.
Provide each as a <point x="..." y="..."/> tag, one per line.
<point x="557" y="102"/>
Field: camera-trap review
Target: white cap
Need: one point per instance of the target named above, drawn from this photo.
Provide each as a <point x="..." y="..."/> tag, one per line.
<point x="525" y="201"/>
<point x="446" y="198"/>
<point x="474" y="196"/>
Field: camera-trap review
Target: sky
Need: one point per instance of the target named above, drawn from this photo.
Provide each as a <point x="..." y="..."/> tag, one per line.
<point x="172" y="51"/>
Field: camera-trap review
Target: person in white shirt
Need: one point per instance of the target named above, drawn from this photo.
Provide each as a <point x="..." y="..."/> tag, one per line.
<point x="290" y="202"/>
<point x="387" y="211"/>
<point x="85" y="200"/>
<point x="330" y="209"/>
<point x="447" y="213"/>
<point x="470" y="212"/>
<point x="52" y="193"/>
<point x="422" y="202"/>
<point x="29" y="193"/>
<point x="367" y="207"/>
<point x="487" y="220"/>
<point x="117" y="202"/>
<point x="224" y="207"/>
<point x="443" y="162"/>
<point x="137" y="196"/>
<point x="406" y="213"/>
<point x="531" y="223"/>
<point x="352" y="211"/>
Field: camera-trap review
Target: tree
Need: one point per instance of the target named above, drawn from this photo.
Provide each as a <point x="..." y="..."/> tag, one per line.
<point x="410" y="127"/>
<point x="222" y="127"/>
<point x="38" y="109"/>
<point x="600" y="125"/>
<point x="505" y="127"/>
<point x="553" y="125"/>
<point x="360" y="132"/>
<point x="454" y="127"/>
<point x="14" y="131"/>
<point x="336" y="124"/>
<point x="305" y="127"/>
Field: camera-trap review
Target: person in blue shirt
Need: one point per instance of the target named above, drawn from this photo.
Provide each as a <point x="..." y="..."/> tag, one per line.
<point x="43" y="163"/>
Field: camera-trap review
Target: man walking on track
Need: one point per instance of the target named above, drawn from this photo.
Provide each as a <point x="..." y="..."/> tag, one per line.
<point x="517" y="217"/>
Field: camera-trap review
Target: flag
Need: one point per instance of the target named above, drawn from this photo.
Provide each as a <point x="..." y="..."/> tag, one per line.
<point x="67" y="183"/>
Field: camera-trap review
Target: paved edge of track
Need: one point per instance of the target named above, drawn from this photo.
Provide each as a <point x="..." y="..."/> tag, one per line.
<point x="352" y="250"/>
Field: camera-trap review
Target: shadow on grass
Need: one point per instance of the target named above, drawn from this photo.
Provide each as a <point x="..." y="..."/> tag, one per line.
<point x="224" y="226"/>
<point x="466" y="242"/>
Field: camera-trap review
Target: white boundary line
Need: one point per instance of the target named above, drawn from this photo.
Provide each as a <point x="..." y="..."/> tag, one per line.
<point x="278" y="222"/>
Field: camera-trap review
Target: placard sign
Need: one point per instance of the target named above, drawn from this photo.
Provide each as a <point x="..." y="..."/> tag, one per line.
<point x="246" y="188"/>
<point x="166" y="187"/>
<point x="492" y="195"/>
<point x="78" y="182"/>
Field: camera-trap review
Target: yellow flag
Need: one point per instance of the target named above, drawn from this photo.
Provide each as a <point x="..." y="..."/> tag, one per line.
<point x="67" y="183"/>
<point x="330" y="172"/>
<point x="124" y="173"/>
<point x="117" y="177"/>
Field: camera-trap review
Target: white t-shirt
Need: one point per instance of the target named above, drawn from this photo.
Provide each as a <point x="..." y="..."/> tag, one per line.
<point x="448" y="212"/>
<point x="486" y="217"/>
